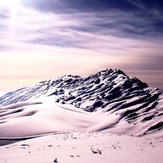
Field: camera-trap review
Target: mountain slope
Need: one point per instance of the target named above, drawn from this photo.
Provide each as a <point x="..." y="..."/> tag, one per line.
<point x="116" y="102"/>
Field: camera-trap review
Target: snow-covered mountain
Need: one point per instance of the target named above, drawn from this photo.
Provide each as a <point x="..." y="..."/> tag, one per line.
<point x="97" y="90"/>
<point x="121" y="100"/>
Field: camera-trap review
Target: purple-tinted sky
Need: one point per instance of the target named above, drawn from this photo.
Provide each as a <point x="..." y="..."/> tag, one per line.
<point x="44" y="39"/>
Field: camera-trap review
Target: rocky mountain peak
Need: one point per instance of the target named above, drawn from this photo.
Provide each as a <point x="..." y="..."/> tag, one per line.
<point x="89" y="93"/>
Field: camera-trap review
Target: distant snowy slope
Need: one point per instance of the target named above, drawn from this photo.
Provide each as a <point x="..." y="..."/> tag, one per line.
<point x="108" y="100"/>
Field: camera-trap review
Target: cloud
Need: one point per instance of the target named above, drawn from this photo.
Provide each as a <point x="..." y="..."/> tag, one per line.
<point x="111" y="32"/>
<point x="4" y="13"/>
<point x="114" y="22"/>
<point x="60" y="6"/>
<point x="115" y="34"/>
<point x="78" y="29"/>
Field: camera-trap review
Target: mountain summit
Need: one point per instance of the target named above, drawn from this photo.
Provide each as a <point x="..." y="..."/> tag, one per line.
<point x="109" y="92"/>
<point x="97" y="90"/>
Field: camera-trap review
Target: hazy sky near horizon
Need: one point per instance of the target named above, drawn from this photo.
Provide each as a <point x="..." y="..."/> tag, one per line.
<point x="44" y="39"/>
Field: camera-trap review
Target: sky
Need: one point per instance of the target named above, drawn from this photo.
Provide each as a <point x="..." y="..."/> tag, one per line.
<point x="45" y="39"/>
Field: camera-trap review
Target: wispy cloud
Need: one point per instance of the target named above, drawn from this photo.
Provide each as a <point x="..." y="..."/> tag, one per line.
<point x="79" y="29"/>
<point x="116" y="34"/>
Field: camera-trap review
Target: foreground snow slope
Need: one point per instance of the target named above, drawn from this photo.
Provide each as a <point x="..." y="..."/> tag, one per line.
<point x="84" y="147"/>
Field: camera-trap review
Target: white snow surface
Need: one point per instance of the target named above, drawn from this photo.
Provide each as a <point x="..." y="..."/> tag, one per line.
<point x="84" y="147"/>
<point x="32" y="118"/>
<point x="43" y="116"/>
<point x="42" y="131"/>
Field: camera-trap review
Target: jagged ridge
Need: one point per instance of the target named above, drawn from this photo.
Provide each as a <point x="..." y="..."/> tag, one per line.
<point x="103" y="87"/>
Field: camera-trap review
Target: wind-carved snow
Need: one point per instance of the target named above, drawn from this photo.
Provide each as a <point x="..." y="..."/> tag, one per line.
<point x="106" y="101"/>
